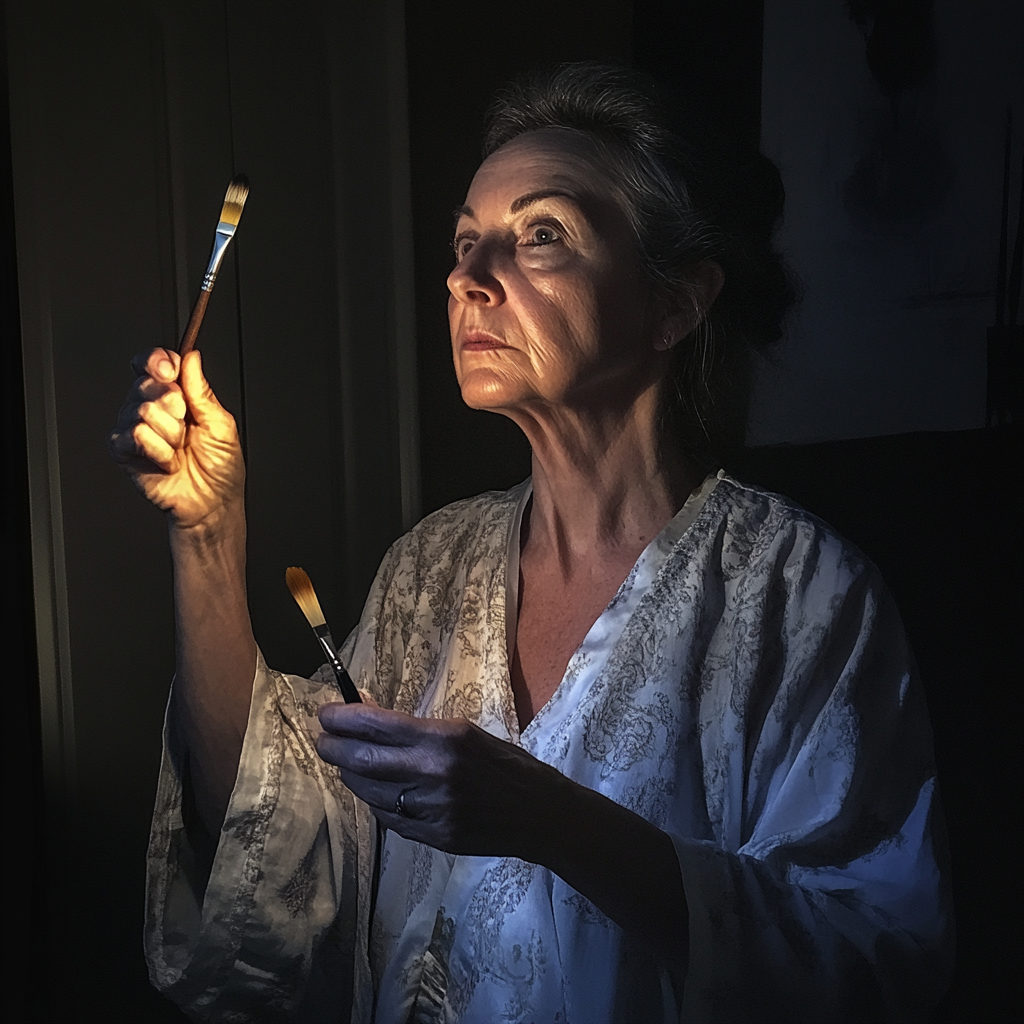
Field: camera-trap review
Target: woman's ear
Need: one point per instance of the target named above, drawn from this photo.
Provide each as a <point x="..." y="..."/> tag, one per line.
<point x="707" y="282"/>
<point x="701" y="289"/>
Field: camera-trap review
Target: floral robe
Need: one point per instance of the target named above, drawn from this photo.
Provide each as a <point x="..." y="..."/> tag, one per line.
<point x="748" y="690"/>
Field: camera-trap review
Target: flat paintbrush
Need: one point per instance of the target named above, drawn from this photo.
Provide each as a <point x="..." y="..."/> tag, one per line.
<point x="305" y="597"/>
<point x="230" y="214"/>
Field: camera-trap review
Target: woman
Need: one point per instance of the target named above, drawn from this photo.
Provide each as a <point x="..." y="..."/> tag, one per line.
<point x="646" y="742"/>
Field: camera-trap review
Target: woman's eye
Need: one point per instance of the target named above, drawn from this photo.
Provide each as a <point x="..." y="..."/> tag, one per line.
<point x="461" y="247"/>
<point x="543" y="234"/>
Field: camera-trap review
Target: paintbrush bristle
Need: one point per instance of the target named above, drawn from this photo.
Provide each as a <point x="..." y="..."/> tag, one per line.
<point x="305" y="596"/>
<point x="234" y="200"/>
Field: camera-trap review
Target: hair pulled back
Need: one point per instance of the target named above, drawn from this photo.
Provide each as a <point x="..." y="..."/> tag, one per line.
<point x="690" y="196"/>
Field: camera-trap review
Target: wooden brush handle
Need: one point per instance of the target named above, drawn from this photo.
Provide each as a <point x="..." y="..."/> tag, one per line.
<point x="195" y="321"/>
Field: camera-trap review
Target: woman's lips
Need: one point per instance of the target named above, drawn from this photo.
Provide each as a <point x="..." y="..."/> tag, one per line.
<point x="477" y="341"/>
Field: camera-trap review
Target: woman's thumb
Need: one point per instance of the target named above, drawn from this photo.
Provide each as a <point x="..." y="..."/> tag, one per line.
<point x="196" y="388"/>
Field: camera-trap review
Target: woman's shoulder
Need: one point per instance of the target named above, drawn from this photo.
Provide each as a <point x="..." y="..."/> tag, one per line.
<point x="471" y="514"/>
<point x="463" y="526"/>
<point x="756" y="527"/>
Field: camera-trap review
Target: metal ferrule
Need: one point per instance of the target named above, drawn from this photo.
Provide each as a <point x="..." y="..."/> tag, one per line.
<point x="225" y="232"/>
<point x="327" y="644"/>
<point x="323" y="632"/>
<point x="345" y="684"/>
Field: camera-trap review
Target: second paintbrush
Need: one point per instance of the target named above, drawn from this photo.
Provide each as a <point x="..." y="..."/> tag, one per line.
<point x="301" y="588"/>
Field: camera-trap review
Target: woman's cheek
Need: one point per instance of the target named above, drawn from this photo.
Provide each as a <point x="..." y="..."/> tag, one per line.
<point x="545" y="258"/>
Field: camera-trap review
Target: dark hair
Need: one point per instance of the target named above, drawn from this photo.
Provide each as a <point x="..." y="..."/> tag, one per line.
<point x="691" y="195"/>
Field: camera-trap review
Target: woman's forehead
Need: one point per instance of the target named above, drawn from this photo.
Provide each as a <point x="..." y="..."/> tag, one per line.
<point x="551" y="159"/>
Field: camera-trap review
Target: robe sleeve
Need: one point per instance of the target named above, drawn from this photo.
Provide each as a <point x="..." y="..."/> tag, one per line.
<point x="824" y="895"/>
<point x="280" y="931"/>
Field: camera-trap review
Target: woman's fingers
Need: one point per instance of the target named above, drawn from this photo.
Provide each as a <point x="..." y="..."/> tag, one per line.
<point x="167" y="394"/>
<point x="202" y="402"/>
<point x="465" y="790"/>
<point x="161" y="409"/>
<point x="151" y="446"/>
<point x="378" y="794"/>
<point x="166" y="418"/>
<point x="376" y="760"/>
<point x="378" y="725"/>
<point x="162" y="364"/>
<point x="426" y="813"/>
<point x="175" y="440"/>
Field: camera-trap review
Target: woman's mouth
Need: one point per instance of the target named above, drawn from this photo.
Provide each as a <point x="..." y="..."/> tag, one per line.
<point x="481" y="341"/>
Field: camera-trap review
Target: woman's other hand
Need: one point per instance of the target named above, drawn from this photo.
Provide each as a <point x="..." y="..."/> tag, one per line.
<point x="467" y="792"/>
<point x="175" y="440"/>
<point x="463" y="791"/>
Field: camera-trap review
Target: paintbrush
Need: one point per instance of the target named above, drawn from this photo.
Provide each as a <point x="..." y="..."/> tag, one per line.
<point x="230" y="214"/>
<point x="305" y="597"/>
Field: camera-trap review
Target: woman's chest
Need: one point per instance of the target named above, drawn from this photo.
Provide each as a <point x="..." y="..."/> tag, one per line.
<point x="554" y="616"/>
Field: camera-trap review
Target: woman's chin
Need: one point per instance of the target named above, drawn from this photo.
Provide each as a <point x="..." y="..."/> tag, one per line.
<point x="484" y="389"/>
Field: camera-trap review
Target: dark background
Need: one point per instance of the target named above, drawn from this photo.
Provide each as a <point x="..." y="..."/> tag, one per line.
<point x="939" y="512"/>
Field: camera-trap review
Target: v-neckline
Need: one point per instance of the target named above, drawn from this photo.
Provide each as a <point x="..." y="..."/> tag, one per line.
<point x="680" y="523"/>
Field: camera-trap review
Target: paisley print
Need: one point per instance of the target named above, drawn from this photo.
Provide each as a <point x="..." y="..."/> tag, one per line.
<point x="748" y="690"/>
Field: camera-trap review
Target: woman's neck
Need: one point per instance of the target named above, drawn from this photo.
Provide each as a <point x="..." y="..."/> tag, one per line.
<point x="603" y="485"/>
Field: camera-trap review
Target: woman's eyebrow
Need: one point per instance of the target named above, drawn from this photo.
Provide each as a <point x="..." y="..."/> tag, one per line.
<point x="522" y="202"/>
<point x="535" y="197"/>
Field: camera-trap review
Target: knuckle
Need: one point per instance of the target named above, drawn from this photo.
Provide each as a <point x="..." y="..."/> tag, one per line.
<point x="364" y="758"/>
<point x="141" y="360"/>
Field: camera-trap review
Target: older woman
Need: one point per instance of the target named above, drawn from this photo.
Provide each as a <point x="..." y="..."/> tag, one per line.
<point x="646" y="742"/>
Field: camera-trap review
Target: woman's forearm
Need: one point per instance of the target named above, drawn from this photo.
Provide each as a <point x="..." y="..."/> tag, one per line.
<point x="623" y="864"/>
<point x="215" y="658"/>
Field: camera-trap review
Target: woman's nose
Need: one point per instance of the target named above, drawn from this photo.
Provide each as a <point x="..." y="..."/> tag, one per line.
<point x="474" y="280"/>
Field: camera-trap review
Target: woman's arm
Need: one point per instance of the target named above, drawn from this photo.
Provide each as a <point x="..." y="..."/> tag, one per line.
<point x="623" y="864"/>
<point x="180" y="448"/>
<point x="215" y="659"/>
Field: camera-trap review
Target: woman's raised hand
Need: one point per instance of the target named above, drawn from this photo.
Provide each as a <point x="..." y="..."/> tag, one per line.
<point x="174" y="439"/>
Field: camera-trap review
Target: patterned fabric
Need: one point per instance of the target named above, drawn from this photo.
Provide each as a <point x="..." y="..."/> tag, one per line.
<point x="748" y="690"/>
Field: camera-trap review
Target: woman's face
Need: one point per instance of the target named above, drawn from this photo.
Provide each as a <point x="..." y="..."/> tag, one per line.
<point x="547" y="306"/>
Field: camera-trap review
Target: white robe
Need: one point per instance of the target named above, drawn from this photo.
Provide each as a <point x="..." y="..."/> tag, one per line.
<point x="749" y="690"/>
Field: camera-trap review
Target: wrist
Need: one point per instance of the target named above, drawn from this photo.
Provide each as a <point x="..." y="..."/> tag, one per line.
<point x="552" y="820"/>
<point x="221" y="529"/>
